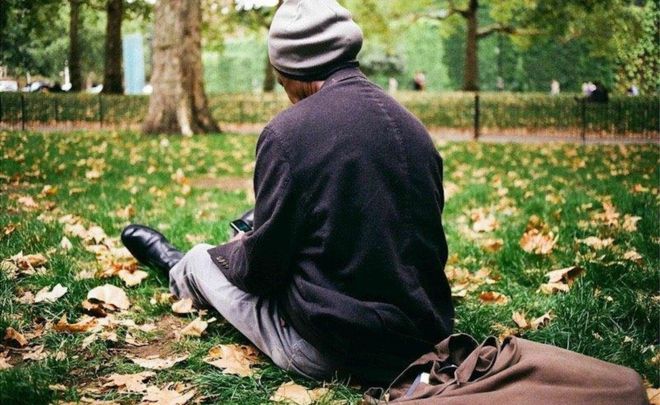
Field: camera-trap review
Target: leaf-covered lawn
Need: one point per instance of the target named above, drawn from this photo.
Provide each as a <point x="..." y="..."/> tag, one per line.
<point x="514" y="213"/>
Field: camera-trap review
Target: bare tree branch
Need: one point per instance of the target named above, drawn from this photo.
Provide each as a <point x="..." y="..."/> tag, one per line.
<point x="491" y="29"/>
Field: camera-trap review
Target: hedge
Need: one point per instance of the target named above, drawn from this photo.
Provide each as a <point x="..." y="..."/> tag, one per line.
<point x="498" y="111"/>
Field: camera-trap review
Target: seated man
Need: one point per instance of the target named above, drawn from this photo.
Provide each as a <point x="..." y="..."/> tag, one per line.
<point x="344" y="269"/>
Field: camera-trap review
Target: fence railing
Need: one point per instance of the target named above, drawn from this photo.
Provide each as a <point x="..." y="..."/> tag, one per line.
<point x="478" y="114"/>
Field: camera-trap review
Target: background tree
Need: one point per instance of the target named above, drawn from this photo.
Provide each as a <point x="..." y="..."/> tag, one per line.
<point x="75" y="64"/>
<point x="112" y="73"/>
<point x="178" y="103"/>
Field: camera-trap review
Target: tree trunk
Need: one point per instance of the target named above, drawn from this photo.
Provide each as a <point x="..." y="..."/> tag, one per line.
<point x="112" y="75"/>
<point x="471" y="71"/>
<point x="178" y="103"/>
<point x="269" y="76"/>
<point x="75" y="70"/>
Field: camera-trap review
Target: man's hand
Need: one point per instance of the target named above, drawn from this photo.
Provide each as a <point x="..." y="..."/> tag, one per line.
<point x="238" y="236"/>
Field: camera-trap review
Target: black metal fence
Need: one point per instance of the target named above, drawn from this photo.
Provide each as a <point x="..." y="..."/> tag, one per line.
<point x="476" y="114"/>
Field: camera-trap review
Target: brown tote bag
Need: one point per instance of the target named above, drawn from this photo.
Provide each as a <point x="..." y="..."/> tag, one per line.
<point x="518" y="371"/>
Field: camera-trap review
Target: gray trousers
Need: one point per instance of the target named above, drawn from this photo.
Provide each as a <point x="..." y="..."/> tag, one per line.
<point x="258" y="318"/>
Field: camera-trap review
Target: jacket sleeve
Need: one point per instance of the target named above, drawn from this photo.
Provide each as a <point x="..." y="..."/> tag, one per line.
<point x="260" y="262"/>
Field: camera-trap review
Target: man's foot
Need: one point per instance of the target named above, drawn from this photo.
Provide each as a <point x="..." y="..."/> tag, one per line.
<point x="150" y="247"/>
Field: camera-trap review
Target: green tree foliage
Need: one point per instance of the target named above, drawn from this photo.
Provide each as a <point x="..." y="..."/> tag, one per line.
<point x="638" y="64"/>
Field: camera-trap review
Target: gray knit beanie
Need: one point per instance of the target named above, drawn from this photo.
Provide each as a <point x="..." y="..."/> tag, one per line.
<point x="311" y="39"/>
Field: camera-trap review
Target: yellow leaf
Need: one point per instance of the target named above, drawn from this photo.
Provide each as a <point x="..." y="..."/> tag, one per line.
<point x="551" y="288"/>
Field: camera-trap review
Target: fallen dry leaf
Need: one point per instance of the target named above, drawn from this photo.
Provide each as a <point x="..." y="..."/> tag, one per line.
<point x="551" y="288"/>
<point x="533" y="241"/>
<point x="492" y="297"/>
<point x="195" y="328"/>
<point x="85" y="324"/>
<point x="28" y="203"/>
<point x="233" y="359"/>
<point x="14" y="338"/>
<point x="654" y="395"/>
<point x="566" y="275"/>
<point x="129" y="382"/>
<point x="633" y="256"/>
<point x="293" y="393"/>
<point x="158" y="363"/>
<point x="27" y="298"/>
<point x="629" y="223"/>
<point x="184" y="306"/>
<point x="132" y="278"/>
<point x="111" y="295"/>
<point x="541" y="321"/>
<point x="50" y="295"/>
<point x="596" y="242"/>
<point x="168" y="396"/>
<point x="519" y="319"/>
<point x="492" y="245"/>
<point x="37" y="353"/>
<point x="26" y="262"/>
<point x="66" y="244"/>
<point x="4" y="361"/>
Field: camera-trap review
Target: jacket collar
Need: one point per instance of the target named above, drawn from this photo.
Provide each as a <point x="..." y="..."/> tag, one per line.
<point x="342" y="75"/>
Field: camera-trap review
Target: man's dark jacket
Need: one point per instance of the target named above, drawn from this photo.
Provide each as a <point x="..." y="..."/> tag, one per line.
<point x="348" y="237"/>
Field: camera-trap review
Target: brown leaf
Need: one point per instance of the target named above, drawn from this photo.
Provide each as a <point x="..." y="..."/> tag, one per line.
<point x="85" y="324"/>
<point x="533" y="241"/>
<point x="27" y="202"/>
<point x="4" y="361"/>
<point x="50" y="295"/>
<point x="630" y="223"/>
<point x="129" y="382"/>
<point x="492" y="245"/>
<point x="633" y="256"/>
<point x="26" y="262"/>
<point x="541" y="321"/>
<point x="551" y="288"/>
<point x="566" y="275"/>
<point x="109" y="294"/>
<point x="654" y="395"/>
<point x="14" y="338"/>
<point x="519" y="319"/>
<point x="596" y="242"/>
<point x="168" y="396"/>
<point x="293" y="393"/>
<point x="233" y="359"/>
<point x="492" y="297"/>
<point x="158" y="363"/>
<point x="184" y="306"/>
<point x="37" y="353"/>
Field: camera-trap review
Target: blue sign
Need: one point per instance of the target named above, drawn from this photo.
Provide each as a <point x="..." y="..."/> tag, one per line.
<point x="133" y="54"/>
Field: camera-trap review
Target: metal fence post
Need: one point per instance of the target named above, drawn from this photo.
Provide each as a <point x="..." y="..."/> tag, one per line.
<point x="477" y="113"/>
<point x="22" y="112"/>
<point x="100" y="110"/>
<point x="583" y="115"/>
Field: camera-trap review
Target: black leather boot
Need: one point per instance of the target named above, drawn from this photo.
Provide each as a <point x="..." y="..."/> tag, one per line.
<point x="150" y="247"/>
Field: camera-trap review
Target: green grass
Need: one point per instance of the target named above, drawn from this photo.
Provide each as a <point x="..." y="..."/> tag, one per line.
<point x="610" y="313"/>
